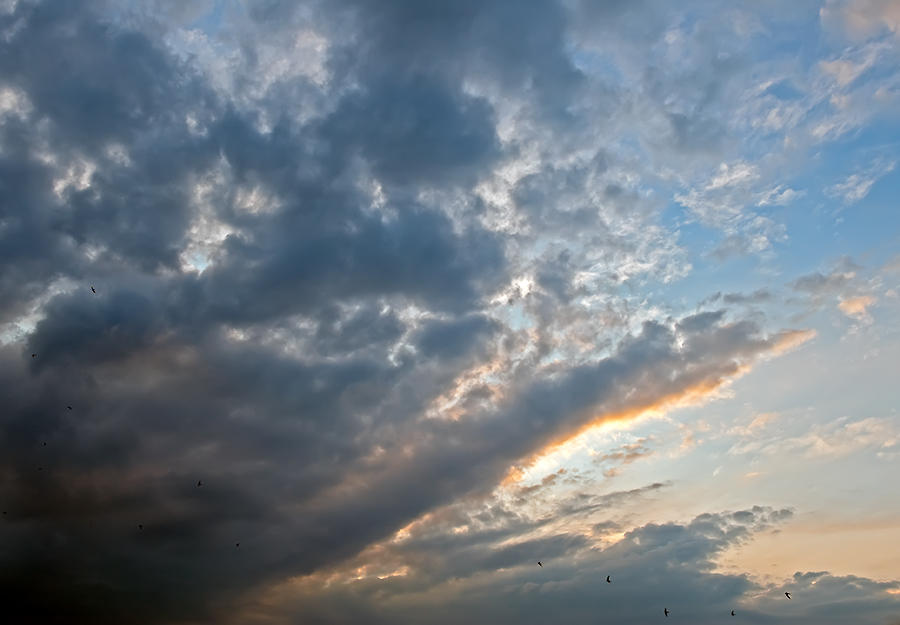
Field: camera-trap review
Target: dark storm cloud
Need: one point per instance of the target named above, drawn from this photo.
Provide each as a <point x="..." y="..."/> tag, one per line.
<point x="160" y="397"/>
<point x="450" y="339"/>
<point x="139" y="212"/>
<point x="417" y="131"/>
<point x="520" y="46"/>
<point x="287" y="269"/>
<point x="360" y="328"/>
<point x="91" y="86"/>
<point x="286" y="447"/>
<point x="289" y="375"/>
<point x="444" y="460"/>
<point x="63" y="61"/>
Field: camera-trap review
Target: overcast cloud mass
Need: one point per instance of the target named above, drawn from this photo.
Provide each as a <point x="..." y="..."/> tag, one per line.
<point x="395" y="299"/>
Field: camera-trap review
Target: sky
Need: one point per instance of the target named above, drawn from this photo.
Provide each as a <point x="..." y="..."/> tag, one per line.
<point x="340" y="312"/>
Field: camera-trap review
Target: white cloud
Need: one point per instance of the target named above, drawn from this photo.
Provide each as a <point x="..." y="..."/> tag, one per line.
<point x="834" y="439"/>
<point x="852" y="63"/>
<point x="857" y="186"/>
<point x="780" y="195"/>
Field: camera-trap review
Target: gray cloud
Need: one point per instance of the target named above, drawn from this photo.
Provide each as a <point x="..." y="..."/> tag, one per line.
<point x="817" y="284"/>
<point x="654" y="566"/>
<point x="447" y="339"/>
<point x="756" y="297"/>
<point x="283" y="445"/>
<point x="285" y="287"/>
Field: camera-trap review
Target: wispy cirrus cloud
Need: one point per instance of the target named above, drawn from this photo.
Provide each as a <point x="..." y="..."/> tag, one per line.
<point x="863" y="17"/>
<point x="856" y="186"/>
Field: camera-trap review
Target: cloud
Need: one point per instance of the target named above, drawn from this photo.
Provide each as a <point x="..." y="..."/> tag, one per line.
<point x="728" y="202"/>
<point x="652" y="566"/>
<point x="856" y="186"/>
<point x="863" y="17"/>
<point x="818" y="283"/>
<point x="756" y="297"/>
<point x="834" y="439"/>
<point x="337" y="455"/>
<point x="857" y="307"/>
<point x="354" y="266"/>
<point x="454" y="338"/>
<point x="845" y="283"/>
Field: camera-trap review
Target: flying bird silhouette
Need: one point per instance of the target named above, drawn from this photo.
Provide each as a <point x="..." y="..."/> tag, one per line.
<point x="34" y="355"/>
<point x="44" y="444"/>
<point x="237" y="544"/>
<point x="666" y="611"/>
<point x="608" y="581"/>
<point x="140" y="527"/>
<point x="732" y="613"/>
<point x="199" y="483"/>
<point x="788" y="595"/>
<point x="93" y="290"/>
<point x="69" y="407"/>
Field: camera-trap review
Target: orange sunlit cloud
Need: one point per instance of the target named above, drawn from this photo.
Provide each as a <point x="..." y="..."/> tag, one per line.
<point x="694" y="395"/>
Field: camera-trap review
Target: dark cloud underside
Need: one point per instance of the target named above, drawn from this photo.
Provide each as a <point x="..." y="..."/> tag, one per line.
<point x="289" y="349"/>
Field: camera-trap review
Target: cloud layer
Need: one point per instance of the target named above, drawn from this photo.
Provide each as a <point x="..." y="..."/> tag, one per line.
<point x="359" y="288"/>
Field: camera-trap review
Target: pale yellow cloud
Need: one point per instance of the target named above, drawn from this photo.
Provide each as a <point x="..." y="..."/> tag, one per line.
<point x="857" y="307"/>
<point x="791" y="339"/>
<point x="820" y="544"/>
<point x="864" y="17"/>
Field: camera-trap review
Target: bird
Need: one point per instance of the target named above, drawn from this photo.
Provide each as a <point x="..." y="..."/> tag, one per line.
<point x="93" y="290"/>
<point x="44" y="444"/>
<point x="40" y="468"/>
<point x="199" y="483"/>
<point x="34" y="355"/>
<point x="140" y="527"/>
<point x="732" y="613"/>
<point x="540" y="565"/>
<point x="237" y="544"/>
<point x="666" y="611"/>
<point x="608" y="581"/>
<point x="69" y="407"/>
<point x="788" y="595"/>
